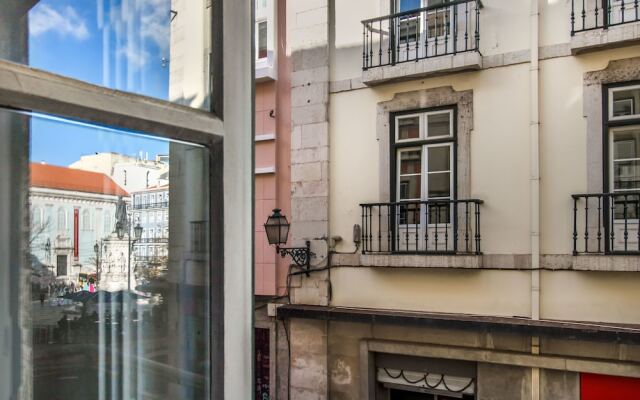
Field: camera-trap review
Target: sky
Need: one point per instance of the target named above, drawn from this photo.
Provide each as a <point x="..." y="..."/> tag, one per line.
<point x="119" y="44"/>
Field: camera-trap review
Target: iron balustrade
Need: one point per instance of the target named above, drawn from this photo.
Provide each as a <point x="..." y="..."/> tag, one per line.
<point x="162" y="204"/>
<point x="152" y="240"/>
<point x="600" y="14"/>
<point x="449" y="28"/>
<point x="422" y="227"/>
<point x="606" y="223"/>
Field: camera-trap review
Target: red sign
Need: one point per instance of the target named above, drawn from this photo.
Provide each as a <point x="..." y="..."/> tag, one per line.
<point x="76" y="236"/>
<point x="605" y="387"/>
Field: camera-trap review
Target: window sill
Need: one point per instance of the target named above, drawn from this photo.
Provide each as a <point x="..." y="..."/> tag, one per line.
<point x="265" y="71"/>
<point x="603" y="39"/>
<point x="610" y="263"/>
<point x="408" y="260"/>
<point x="447" y="64"/>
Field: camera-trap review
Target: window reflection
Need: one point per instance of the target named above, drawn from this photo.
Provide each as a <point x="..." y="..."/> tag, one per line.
<point x="119" y="307"/>
<point x="157" y="48"/>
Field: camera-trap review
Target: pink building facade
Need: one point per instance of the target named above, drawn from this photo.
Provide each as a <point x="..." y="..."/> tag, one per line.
<point x="272" y="144"/>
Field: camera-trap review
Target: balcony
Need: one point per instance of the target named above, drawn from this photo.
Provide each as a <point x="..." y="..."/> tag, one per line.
<point x="162" y="204"/>
<point x="432" y="227"/>
<point x="597" y="24"/>
<point x="418" y="43"/>
<point x="606" y="224"/>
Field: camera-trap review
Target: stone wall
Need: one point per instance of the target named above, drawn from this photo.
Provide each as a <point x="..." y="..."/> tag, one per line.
<point x="309" y="42"/>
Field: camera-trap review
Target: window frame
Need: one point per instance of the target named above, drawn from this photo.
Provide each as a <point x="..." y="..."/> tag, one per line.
<point x="609" y="124"/>
<point x="609" y="102"/>
<point x="397" y="145"/>
<point x="231" y="244"/>
<point x="257" y="39"/>
<point x="424" y="143"/>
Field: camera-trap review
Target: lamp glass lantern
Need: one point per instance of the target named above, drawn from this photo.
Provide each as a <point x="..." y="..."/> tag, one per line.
<point x="137" y="231"/>
<point x="277" y="228"/>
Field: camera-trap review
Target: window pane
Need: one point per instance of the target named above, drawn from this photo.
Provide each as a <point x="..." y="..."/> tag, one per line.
<point x="626" y="143"/>
<point x="110" y="322"/>
<point x="408" y="128"/>
<point x="439" y="158"/>
<point x="626" y="175"/>
<point x="156" y="48"/>
<point x="410" y="187"/>
<point x="407" y="5"/>
<point x="439" y="184"/>
<point x="626" y="102"/>
<point x="262" y="39"/>
<point x="410" y="162"/>
<point x="439" y="124"/>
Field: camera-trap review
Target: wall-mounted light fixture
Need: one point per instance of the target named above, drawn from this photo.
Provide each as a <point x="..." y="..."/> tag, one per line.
<point x="277" y="229"/>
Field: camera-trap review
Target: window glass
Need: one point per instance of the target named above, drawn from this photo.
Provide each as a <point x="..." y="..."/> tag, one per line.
<point x="149" y="47"/>
<point x="626" y="158"/>
<point x="439" y="158"/>
<point x="439" y="124"/>
<point x="262" y="40"/>
<point x="408" y="5"/>
<point x="106" y="322"/>
<point x="439" y="184"/>
<point x="409" y="128"/>
<point x="625" y="102"/>
<point x="410" y="175"/>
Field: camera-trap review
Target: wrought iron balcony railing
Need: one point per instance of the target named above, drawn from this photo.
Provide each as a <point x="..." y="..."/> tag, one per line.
<point x="601" y="14"/>
<point x="449" y="28"/>
<point x="422" y="227"/>
<point x="162" y="204"/>
<point x="606" y="223"/>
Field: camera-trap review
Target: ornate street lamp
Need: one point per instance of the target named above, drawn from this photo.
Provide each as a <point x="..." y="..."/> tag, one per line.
<point x="123" y="224"/>
<point x="277" y="229"/>
<point x="96" y="249"/>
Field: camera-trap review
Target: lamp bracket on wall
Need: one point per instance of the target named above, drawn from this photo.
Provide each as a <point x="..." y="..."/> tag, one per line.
<point x="300" y="255"/>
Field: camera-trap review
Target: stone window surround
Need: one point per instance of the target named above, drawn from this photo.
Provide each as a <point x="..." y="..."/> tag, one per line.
<point x="421" y="100"/>
<point x="594" y="84"/>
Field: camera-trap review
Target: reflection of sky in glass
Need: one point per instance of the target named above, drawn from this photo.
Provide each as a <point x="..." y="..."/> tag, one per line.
<point x="407" y="5"/>
<point x="60" y="142"/>
<point x="121" y="44"/>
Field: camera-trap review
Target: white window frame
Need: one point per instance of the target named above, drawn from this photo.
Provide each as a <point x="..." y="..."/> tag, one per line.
<point x="426" y="143"/>
<point x="610" y="105"/>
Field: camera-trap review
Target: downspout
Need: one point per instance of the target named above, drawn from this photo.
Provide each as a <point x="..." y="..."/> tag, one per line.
<point x="535" y="187"/>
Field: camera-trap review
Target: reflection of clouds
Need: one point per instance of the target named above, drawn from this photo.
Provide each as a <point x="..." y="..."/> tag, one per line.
<point x="136" y="57"/>
<point x="155" y="22"/>
<point x="64" y="22"/>
<point x="141" y="25"/>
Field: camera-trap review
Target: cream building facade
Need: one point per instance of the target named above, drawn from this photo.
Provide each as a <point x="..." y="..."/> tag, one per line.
<point x="441" y="152"/>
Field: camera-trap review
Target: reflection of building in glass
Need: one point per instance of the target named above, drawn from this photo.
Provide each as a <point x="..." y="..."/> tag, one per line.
<point x="151" y="211"/>
<point x="131" y="173"/>
<point x="71" y="211"/>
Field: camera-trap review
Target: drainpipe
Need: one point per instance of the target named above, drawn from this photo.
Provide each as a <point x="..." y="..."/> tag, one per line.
<point x="535" y="187"/>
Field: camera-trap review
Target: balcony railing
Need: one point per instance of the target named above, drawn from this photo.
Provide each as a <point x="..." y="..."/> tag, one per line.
<point x="606" y="223"/>
<point x="598" y="14"/>
<point x="449" y="28"/>
<point x="162" y="204"/>
<point x="422" y="227"/>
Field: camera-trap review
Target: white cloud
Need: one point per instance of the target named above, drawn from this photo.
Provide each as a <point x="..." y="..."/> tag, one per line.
<point x="64" y="22"/>
<point x="154" y="23"/>
<point x="137" y="57"/>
